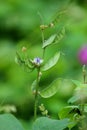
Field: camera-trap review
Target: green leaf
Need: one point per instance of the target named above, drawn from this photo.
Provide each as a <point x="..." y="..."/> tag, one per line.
<point x="18" y="59"/>
<point x="76" y="82"/>
<point x="9" y="122"/>
<point x="45" y="123"/>
<point x="70" y="112"/>
<point x="51" y="89"/>
<point x="85" y="108"/>
<point x="49" y="41"/>
<point x="73" y="99"/>
<point x="60" y="36"/>
<point x="52" y="62"/>
<point x="59" y="16"/>
<point x="80" y="93"/>
<point x="34" y="84"/>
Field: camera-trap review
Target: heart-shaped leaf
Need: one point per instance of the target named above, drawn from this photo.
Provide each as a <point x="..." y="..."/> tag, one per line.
<point x="44" y="123"/>
<point x="9" y="122"/>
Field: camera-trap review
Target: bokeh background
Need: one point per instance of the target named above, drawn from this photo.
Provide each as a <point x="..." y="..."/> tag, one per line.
<point x="19" y="26"/>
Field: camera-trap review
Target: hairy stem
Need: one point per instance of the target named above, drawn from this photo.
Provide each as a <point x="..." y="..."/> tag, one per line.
<point x="36" y="95"/>
<point x="43" y="42"/>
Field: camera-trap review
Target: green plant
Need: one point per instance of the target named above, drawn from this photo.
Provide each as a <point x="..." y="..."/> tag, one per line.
<point x="38" y="64"/>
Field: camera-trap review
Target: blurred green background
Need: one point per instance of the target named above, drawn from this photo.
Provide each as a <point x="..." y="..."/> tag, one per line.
<point x="19" y="26"/>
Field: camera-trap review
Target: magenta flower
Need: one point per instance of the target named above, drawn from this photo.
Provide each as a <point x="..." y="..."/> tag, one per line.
<point x="82" y="55"/>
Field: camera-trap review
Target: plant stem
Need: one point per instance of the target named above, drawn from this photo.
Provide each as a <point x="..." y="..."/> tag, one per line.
<point x="43" y="42"/>
<point x="36" y="95"/>
<point x="84" y="74"/>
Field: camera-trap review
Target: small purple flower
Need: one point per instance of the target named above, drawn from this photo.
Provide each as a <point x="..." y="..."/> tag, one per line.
<point x="37" y="61"/>
<point x="82" y="55"/>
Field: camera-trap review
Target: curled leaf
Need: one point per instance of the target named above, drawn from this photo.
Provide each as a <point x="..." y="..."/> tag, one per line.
<point x="18" y="59"/>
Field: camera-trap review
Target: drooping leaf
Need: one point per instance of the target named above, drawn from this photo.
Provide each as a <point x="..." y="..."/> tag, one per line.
<point x="52" y="62"/>
<point x="9" y="122"/>
<point x="60" y="36"/>
<point x="45" y="123"/>
<point x="49" y="41"/>
<point x="18" y="59"/>
<point x="58" y="16"/>
<point x="51" y="89"/>
<point x="70" y="112"/>
<point x="25" y="63"/>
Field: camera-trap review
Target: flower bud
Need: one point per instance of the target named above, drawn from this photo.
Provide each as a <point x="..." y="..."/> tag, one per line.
<point x="51" y="25"/>
<point x="42" y="27"/>
<point x="24" y="49"/>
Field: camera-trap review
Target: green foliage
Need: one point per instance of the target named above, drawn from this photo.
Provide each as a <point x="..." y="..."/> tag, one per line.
<point x="59" y="16"/>
<point x="17" y="27"/>
<point x="18" y="60"/>
<point x="60" y="36"/>
<point x="51" y="89"/>
<point x="80" y="92"/>
<point x="45" y="123"/>
<point x="52" y="62"/>
<point x="49" y="41"/>
<point x="77" y="83"/>
<point x="71" y="112"/>
<point x="56" y="85"/>
<point x="9" y="122"/>
<point x="54" y="39"/>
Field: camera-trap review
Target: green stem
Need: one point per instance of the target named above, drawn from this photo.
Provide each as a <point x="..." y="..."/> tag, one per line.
<point x="36" y="96"/>
<point x="42" y="36"/>
<point x="43" y="42"/>
<point x="43" y="52"/>
<point x="84" y="74"/>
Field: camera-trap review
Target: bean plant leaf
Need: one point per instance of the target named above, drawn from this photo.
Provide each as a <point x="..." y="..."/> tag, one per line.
<point x="25" y="63"/>
<point x="18" y="59"/>
<point x="71" y="112"/>
<point x="59" y="16"/>
<point x="60" y="36"/>
<point x="52" y="62"/>
<point x="85" y="108"/>
<point x="77" y="83"/>
<point x="73" y="99"/>
<point x="51" y="89"/>
<point x="49" y="41"/>
<point x="45" y="123"/>
<point x="9" y="122"/>
<point x="80" y="92"/>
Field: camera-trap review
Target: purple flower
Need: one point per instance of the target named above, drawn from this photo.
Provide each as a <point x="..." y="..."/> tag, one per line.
<point x="82" y="55"/>
<point x="37" y="61"/>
